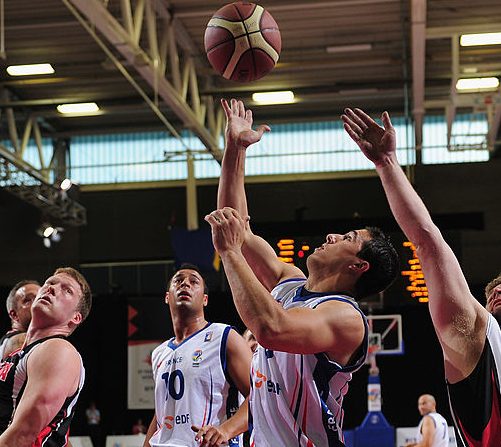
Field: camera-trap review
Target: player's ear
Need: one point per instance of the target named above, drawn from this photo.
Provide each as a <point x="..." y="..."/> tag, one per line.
<point x="206" y="299"/>
<point x="361" y="266"/>
<point x="167" y="297"/>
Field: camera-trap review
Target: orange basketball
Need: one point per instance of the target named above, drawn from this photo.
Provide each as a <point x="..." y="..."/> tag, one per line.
<point x="242" y="41"/>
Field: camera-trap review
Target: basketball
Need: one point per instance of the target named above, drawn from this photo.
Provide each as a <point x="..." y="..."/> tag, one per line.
<point x="242" y="41"/>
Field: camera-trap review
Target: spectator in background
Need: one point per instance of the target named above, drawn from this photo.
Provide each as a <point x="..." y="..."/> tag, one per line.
<point x="139" y="428"/>
<point x="93" y="416"/>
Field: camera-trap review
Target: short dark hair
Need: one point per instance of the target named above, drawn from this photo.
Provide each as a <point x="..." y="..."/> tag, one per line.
<point x="383" y="264"/>
<point x="188" y="266"/>
<point x="85" y="302"/>
<point x="494" y="283"/>
<point x="10" y="302"/>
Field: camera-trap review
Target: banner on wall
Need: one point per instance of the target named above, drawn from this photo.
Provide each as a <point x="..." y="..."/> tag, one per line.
<point x="141" y="388"/>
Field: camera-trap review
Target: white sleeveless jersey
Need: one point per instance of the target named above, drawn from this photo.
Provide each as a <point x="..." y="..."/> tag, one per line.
<point x="296" y="400"/>
<point x="192" y="386"/>
<point x="441" y="437"/>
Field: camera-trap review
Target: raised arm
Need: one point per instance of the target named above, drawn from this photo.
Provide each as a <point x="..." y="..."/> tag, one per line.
<point x="48" y="386"/>
<point x="459" y="319"/>
<point x="231" y="193"/>
<point x="334" y="327"/>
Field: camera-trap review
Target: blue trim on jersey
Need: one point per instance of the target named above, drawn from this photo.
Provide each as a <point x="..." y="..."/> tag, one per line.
<point x="299" y="394"/>
<point x="173" y="346"/>
<point x="303" y="294"/>
<point x="211" y="397"/>
<point x="222" y="353"/>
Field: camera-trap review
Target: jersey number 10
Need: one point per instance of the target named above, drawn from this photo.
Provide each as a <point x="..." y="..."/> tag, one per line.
<point x="176" y="390"/>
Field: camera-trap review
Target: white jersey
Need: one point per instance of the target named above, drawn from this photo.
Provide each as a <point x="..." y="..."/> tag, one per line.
<point x="441" y="437"/>
<point x="296" y="400"/>
<point x="192" y="386"/>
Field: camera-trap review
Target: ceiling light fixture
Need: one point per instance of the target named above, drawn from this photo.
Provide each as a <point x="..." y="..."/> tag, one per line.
<point x="349" y="48"/>
<point x="469" y="40"/>
<point x="49" y="234"/>
<point x="269" y="98"/>
<point x="78" y="108"/>
<point x="30" y="69"/>
<point x="473" y="84"/>
<point x="66" y="184"/>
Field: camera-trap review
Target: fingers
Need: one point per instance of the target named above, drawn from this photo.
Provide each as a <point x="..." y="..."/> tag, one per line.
<point x="366" y="119"/>
<point x="355" y="122"/>
<point x="354" y="136"/>
<point x="385" y="118"/>
<point x="222" y="215"/>
<point x="226" y="108"/>
<point x="262" y="129"/>
<point x="241" y="109"/>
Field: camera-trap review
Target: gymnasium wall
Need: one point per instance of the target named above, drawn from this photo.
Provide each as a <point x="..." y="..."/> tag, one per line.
<point x="134" y="225"/>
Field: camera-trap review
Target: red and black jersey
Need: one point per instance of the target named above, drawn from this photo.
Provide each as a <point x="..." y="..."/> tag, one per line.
<point x="476" y="401"/>
<point x="13" y="379"/>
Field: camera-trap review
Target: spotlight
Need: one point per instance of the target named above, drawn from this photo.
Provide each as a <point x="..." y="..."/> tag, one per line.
<point x="66" y="184"/>
<point x="49" y="234"/>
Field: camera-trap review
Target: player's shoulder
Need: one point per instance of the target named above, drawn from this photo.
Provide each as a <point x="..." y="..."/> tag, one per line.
<point x="57" y="351"/>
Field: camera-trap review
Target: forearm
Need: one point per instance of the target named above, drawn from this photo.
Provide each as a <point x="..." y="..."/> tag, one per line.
<point x="239" y="422"/>
<point x="18" y="436"/>
<point x="256" y="307"/>
<point x="406" y="205"/>
<point x="151" y="431"/>
<point x="231" y="190"/>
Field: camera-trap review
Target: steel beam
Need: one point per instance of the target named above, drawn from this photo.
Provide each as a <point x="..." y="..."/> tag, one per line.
<point x="145" y="65"/>
<point x="418" y="18"/>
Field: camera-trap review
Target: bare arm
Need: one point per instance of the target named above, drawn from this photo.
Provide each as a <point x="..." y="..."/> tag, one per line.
<point x="239" y="135"/>
<point x="14" y="343"/>
<point x="48" y="386"/>
<point x="151" y="431"/>
<point x="239" y="356"/>
<point x="333" y="327"/>
<point x="459" y="320"/>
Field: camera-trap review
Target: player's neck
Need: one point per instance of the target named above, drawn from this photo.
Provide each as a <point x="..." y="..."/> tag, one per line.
<point x="186" y="326"/>
<point x="16" y="326"/>
<point x="331" y="283"/>
<point x="35" y="332"/>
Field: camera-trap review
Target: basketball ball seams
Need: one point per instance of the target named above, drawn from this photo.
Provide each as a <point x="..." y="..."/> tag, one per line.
<point x="242" y="41"/>
<point x="245" y="22"/>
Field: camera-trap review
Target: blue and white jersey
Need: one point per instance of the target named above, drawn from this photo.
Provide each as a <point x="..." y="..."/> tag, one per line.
<point x="296" y="399"/>
<point x="192" y="386"/>
<point x="441" y="436"/>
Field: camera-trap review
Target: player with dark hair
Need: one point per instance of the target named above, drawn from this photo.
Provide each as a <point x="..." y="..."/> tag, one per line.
<point x="469" y="334"/>
<point x="18" y="305"/>
<point x="198" y="373"/>
<point x="41" y="382"/>
<point x="311" y="332"/>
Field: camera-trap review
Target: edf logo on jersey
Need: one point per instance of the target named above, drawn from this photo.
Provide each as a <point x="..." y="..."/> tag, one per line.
<point x="271" y="386"/>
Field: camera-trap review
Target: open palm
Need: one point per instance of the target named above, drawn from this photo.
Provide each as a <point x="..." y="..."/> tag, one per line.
<point x="377" y="143"/>
<point x="239" y="124"/>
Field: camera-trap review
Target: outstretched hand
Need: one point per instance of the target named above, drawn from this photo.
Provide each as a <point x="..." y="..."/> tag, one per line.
<point x="239" y="130"/>
<point x="377" y="143"/>
<point x="209" y="435"/>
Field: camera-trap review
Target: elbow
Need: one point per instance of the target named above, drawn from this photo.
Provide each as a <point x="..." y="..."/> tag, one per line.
<point x="268" y="335"/>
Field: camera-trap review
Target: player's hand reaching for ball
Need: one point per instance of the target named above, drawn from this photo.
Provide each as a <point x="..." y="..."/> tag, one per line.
<point x="239" y="130"/>
<point x="228" y="229"/>
<point x="377" y="143"/>
<point x="209" y="436"/>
